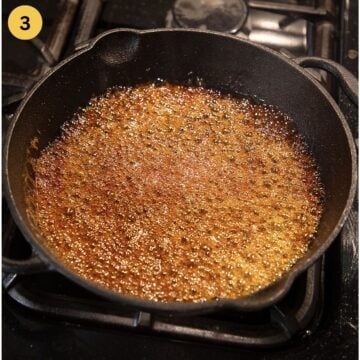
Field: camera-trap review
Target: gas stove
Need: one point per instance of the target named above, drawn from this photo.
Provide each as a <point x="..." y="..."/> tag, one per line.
<point x="47" y="316"/>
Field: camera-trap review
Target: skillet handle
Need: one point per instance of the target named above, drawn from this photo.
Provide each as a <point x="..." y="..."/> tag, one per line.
<point x="32" y="265"/>
<point x="348" y="81"/>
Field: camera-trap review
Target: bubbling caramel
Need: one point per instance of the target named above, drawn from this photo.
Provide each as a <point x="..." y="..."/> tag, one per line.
<point x="174" y="193"/>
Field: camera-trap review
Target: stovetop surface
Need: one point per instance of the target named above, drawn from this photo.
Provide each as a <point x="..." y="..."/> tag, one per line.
<point x="33" y="335"/>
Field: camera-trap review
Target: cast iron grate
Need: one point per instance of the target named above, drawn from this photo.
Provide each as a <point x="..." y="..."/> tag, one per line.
<point x="54" y="295"/>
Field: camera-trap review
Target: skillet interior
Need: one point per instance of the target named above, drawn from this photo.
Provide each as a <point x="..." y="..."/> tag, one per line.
<point x="128" y="58"/>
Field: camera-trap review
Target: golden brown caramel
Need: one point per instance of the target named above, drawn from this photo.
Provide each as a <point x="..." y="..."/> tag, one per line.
<point x="175" y="193"/>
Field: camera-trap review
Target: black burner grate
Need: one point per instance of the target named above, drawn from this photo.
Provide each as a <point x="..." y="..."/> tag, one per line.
<point x="53" y="295"/>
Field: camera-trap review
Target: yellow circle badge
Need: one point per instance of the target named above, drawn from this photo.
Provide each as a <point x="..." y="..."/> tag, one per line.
<point x="25" y="22"/>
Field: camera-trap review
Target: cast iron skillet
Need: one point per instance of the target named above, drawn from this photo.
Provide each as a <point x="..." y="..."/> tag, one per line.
<point x="127" y="57"/>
